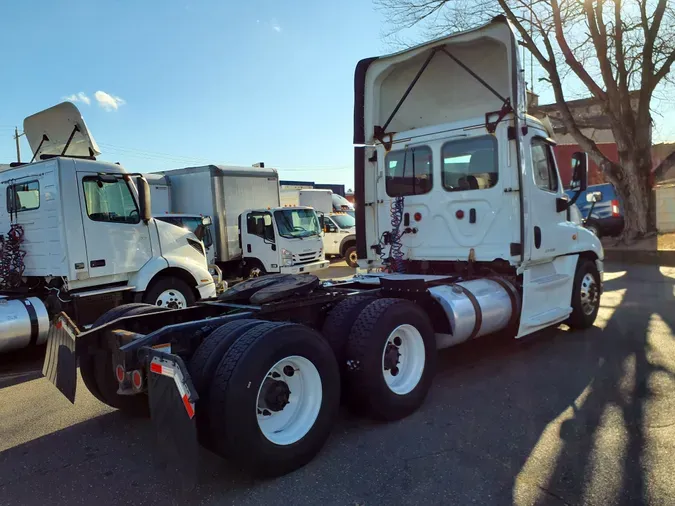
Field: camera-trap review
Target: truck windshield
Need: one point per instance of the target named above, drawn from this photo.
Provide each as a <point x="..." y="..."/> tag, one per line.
<point x="340" y="203"/>
<point x="297" y="223"/>
<point x="190" y="224"/>
<point x="344" y="220"/>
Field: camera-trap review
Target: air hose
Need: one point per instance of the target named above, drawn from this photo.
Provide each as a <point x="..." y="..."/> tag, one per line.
<point x="11" y="258"/>
<point x="395" y="260"/>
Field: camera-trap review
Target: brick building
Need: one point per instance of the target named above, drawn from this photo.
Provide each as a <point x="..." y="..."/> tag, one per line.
<point x="593" y="123"/>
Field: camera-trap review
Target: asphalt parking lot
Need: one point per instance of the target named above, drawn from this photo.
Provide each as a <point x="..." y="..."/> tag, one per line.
<point x="562" y="418"/>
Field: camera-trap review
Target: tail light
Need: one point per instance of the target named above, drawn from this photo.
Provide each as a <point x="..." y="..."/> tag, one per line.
<point x="615" y="209"/>
<point x="120" y="374"/>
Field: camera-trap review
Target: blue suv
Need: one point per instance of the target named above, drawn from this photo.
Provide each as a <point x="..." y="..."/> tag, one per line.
<point x="606" y="217"/>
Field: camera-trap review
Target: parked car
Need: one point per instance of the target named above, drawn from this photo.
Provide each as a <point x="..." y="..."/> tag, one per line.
<point x="606" y="215"/>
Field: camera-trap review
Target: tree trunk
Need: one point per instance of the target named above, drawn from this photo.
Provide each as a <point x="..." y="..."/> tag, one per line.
<point x="634" y="189"/>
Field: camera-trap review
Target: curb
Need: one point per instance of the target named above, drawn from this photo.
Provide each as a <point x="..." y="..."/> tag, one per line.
<point x="665" y="258"/>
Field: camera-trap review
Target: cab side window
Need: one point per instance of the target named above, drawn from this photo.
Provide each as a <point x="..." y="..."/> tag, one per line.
<point x="23" y="197"/>
<point x="543" y="166"/>
<point x="409" y="171"/>
<point x="260" y="224"/>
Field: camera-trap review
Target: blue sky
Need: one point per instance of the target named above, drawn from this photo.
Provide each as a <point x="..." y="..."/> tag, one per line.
<point x="199" y="80"/>
<point x="169" y="84"/>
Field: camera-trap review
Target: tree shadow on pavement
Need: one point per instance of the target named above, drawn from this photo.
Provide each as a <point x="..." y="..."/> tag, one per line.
<point x="530" y="422"/>
<point x="609" y="450"/>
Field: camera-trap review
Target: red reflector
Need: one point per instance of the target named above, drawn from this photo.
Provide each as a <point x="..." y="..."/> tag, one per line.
<point x="188" y="406"/>
<point x="615" y="208"/>
<point x="59" y="324"/>
<point x="459" y="214"/>
<point x="417" y="216"/>
<point x="154" y="367"/>
<point x="119" y="372"/>
<point x="137" y="379"/>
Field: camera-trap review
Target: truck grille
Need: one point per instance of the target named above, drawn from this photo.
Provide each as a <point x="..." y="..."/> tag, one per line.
<point x="305" y="258"/>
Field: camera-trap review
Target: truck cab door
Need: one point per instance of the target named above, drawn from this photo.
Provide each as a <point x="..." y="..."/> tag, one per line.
<point x="549" y="229"/>
<point x="258" y="239"/>
<point x="331" y="237"/>
<point x="549" y="269"/>
<point x="117" y="241"/>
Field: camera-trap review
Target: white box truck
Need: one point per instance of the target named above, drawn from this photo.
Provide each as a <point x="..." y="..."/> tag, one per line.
<point x="463" y="225"/>
<point x="77" y="236"/>
<point x="252" y="234"/>
<point x="339" y="226"/>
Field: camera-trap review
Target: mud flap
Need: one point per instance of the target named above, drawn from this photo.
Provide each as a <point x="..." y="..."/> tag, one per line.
<point x="172" y="410"/>
<point x="60" y="365"/>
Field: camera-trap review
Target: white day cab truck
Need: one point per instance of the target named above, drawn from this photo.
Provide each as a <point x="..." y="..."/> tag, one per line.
<point x="78" y="237"/>
<point x="252" y="235"/>
<point x="462" y="231"/>
<point x="339" y="227"/>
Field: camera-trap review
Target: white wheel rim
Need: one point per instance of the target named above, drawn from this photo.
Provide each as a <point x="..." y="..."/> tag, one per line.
<point x="589" y="294"/>
<point x="403" y="359"/>
<point x="285" y="424"/>
<point x="172" y="299"/>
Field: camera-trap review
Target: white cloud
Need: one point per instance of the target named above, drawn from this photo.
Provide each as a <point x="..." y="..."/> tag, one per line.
<point x="78" y="97"/>
<point x="107" y="101"/>
<point x="275" y="25"/>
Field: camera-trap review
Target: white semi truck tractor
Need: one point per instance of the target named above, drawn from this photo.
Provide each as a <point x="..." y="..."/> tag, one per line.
<point x="462" y="231"/>
<point x="77" y="236"/>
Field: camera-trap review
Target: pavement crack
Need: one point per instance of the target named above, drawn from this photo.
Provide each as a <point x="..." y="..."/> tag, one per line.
<point x="552" y="494"/>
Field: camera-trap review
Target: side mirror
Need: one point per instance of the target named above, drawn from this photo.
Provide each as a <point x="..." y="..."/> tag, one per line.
<point x="206" y="221"/>
<point x="594" y="197"/>
<point x="579" y="171"/>
<point x="579" y="181"/>
<point x="144" y="198"/>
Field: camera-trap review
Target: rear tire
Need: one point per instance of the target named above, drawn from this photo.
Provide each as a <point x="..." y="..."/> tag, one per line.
<point x="203" y="365"/>
<point x="351" y="257"/>
<point x="169" y="293"/>
<point x="585" y="295"/>
<point x="340" y="321"/>
<point x="134" y="405"/>
<point x="241" y="410"/>
<point x="390" y="359"/>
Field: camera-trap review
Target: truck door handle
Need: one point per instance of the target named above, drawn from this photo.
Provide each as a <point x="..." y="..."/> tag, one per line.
<point x="537" y="237"/>
<point x="97" y="263"/>
<point x="406" y="219"/>
<point x="248" y="248"/>
<point x="472" y="216"/>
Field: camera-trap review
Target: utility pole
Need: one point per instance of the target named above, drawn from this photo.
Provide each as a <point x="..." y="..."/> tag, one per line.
<point x="18" y="147"/>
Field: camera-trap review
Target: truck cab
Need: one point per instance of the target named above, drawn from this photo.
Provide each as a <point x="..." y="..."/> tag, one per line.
<point x="336" y="218"/>
<point x="281" y="239"/>
<point x="78" y="235"/>
<point x="451" y="173"/>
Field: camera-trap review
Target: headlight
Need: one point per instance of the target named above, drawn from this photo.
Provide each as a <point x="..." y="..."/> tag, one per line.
<point x="286" y="257"/>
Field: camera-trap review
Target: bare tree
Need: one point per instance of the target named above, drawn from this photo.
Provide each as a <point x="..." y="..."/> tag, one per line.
<point x="619" y="51"/>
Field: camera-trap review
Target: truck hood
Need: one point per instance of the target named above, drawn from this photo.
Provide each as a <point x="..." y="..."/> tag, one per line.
<point x="55" y="125"/>
<point x="445" y="91"/>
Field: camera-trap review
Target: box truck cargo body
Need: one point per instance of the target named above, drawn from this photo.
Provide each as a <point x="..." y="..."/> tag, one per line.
<point x="229" y="193"/>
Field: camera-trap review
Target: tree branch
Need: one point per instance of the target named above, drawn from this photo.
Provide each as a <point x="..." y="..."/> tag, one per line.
<point x="574" y="64"/>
